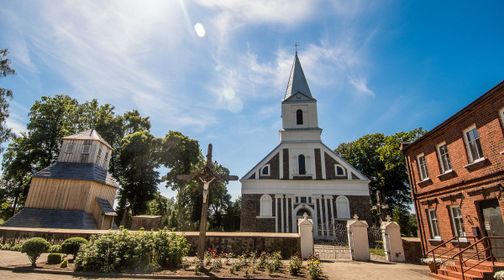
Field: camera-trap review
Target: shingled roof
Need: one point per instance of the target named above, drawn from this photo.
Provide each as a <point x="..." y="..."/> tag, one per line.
<point x="105" y="207"/>
<point x="89" y="134"/>
<point x="52" y="218"/>
<point x="77" y="171"/>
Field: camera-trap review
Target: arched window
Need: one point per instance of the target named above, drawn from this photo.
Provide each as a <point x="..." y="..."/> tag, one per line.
<point x="265" y="170"/>
<point x="302" y="164"/>
<point x="299" y="116"/>
<point x="266" y="209"/>
<point x="339" y="170"/>
<point x="343" y="207"/>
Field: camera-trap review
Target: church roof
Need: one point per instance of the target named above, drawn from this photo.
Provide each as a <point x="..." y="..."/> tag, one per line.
<point x="297" y="81"/>
<point x="77" y="171"/>
<point x="52" y="218"/>
<point x="89" y="134"/>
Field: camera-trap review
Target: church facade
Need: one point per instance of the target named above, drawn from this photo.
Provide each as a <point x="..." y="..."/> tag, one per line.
<point x="302" y="175"/>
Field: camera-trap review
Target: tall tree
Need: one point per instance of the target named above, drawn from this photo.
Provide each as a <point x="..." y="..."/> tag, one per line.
<point x="379" y="158"/>
<point x="137" y="170"/>
<point x="181" y="155"/>
<point x="5" y="96"/>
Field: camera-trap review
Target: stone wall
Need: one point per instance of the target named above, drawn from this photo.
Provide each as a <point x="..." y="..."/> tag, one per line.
<point x="250" y="210"/>
<point x="232" y="242"/>
<point x="412" y="249"/>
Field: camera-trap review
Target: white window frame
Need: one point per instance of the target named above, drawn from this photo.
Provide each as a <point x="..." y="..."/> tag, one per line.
<point x="423" y="177"/>
<point x="468" y="147"/>
<point x="454" y="224"/>
<point x="342" y="210"/>
<point x="433" y="224"/>
<point x="444" y="169"/>
<point x="336" y="170"/>
<point x="266" y="206"/>
<point x="262" y="168"/>
<point x="501" y="116"/>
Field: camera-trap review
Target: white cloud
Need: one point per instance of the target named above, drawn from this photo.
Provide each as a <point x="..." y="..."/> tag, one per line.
<point x="360" y="84"/>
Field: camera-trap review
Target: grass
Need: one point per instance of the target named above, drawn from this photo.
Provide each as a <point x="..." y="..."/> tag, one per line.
<point x="377" y="251"/>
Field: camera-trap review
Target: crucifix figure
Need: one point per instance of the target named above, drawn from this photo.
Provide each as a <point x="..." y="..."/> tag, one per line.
<point x="207" y="175"/>
<point x="380" y="206"/>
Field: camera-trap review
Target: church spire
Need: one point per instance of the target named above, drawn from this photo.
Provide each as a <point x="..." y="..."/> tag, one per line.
<point x="297" y="80"/>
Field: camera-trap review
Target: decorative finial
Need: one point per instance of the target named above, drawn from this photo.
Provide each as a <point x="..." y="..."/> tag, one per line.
<point x="305" y="216"/>
<point x="355" y="217"/>
<point x="296" y="45"/>
<point x="388" y="218"/>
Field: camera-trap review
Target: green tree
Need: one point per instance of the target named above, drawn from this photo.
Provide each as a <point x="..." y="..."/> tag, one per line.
<point x="181" y="155"/>
<point x="379" y="158"/>
<point x="164" y="207"/>
<point x="231" y="220"/>
<point x="137" y="171"/>
<point x="5" y="96"/>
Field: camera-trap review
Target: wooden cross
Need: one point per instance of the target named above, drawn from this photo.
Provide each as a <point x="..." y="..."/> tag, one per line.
<point x="207" y="175"/>
<point x="380" y="206"/>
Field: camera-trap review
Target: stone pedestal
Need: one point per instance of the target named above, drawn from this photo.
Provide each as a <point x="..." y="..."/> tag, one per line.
<point x="305" y="227"/>
<point x="358" y="239"/>
<point x="392" y="241"/>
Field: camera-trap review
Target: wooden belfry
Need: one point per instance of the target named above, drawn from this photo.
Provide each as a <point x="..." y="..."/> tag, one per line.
<point x="207" y="175"/>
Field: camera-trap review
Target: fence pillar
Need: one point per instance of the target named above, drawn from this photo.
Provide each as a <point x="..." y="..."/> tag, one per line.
<point x="392" y="241"/>
<point x="305" y="227"/>
<point x="358" y="239"/>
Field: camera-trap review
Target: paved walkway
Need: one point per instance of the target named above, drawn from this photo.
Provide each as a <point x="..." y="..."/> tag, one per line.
<point x="340" y="270"/>
<point x="352" y="270"/>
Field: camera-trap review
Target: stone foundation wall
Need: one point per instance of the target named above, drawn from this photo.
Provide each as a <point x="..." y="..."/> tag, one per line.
<point x="249" y="212"/>
<point x="412" y="249"/>
<point x="232" y="242"/>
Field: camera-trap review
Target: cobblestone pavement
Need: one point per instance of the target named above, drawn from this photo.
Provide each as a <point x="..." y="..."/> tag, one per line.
<point x="352" y="270"/>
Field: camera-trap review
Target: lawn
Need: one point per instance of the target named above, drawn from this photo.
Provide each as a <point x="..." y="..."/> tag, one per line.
<point x="377" y="251"/>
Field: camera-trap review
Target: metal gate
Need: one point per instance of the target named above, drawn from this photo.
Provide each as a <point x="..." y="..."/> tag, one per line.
<point x="335" y="247"/>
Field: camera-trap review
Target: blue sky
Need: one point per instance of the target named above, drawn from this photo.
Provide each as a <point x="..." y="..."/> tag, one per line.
<point x="374" y="66"/>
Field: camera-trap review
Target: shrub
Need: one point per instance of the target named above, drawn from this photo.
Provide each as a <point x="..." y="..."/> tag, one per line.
<point x="55" y="249"/>
<point x="16" y="247"/>
<point x="54" y="258"/>
<point x="314" y="268"/>
<point x="64" y="264"/>
<point x="34" y="247"/>
<point x="132" y="251"/>
<point x="295" y="265"/>
<point x="274" y="262"/>
<point x="72" y="245"/>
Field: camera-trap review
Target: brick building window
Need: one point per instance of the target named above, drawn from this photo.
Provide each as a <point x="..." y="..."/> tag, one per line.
<point x="444" y="157"/>
<point x="471" y="137"/>
<point x="501" y="115"/>
<point x="422" y="167"/>
<point x="457" y="221"/>
<point x="433" y="224"/>
<point x="266" y="206"/>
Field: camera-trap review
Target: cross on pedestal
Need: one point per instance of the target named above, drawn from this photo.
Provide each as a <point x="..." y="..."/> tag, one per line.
<point x="207" y="175"/>
<point x="380" y="206"/>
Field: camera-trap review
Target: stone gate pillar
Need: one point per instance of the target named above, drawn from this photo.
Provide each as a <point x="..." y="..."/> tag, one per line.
<point x="392" y="241"/>
<point x="305" y="227"/>
<point x="358" y="239"/>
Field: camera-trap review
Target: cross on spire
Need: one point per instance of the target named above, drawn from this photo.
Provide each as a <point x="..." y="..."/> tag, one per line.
<point x="296" y="45"/>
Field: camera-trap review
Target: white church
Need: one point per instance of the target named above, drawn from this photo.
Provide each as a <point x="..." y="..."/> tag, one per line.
<point x="302" y="174"/>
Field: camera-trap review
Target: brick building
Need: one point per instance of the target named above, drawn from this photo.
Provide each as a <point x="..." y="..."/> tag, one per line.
<point x="301" y="174"/>
<point x="457" y="174"/>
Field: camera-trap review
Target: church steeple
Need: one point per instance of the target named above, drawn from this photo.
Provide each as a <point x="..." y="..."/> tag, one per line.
<point x="299" y="108"/>
<point x="297" y="80"/>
